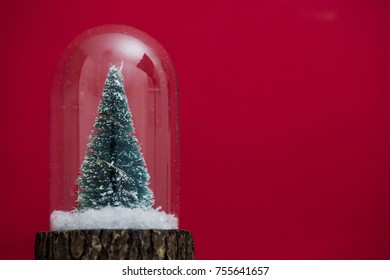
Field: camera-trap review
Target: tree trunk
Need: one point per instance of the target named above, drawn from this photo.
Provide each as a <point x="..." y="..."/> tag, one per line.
<point x="106" y="244"/>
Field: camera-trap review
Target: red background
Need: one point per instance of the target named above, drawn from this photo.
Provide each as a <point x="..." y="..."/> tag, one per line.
<point x="284" y="120"/>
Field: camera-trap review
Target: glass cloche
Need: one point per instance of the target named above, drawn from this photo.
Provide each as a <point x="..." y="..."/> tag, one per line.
<point x="114" y="159"/>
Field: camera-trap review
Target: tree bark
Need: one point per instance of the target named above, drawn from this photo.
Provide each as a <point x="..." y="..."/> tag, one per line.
<point x="106" y="244"/>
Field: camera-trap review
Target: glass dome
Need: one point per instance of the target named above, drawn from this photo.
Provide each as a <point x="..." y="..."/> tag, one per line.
<point x="114" y="132"/>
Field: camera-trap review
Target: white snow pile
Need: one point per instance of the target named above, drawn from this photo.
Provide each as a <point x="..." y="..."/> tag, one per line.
<point x="113" y="218"/>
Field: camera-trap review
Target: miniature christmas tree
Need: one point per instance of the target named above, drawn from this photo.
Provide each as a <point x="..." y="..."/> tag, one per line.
<point x="114" y="172"/>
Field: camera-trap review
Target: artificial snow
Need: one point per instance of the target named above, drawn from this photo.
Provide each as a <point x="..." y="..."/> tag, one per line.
<point x="113" y="218"/>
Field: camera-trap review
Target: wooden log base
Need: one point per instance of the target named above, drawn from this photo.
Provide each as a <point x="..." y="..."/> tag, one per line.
<point x="107" y="244"/>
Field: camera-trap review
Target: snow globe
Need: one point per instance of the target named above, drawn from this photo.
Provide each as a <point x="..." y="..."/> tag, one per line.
<point x="114" y="151"/>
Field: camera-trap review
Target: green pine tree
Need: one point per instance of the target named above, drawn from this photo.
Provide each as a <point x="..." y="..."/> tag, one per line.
<point x="114" y="172"/>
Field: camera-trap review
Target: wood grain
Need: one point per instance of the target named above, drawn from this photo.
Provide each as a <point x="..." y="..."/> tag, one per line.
<point x="105" y="244"/>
